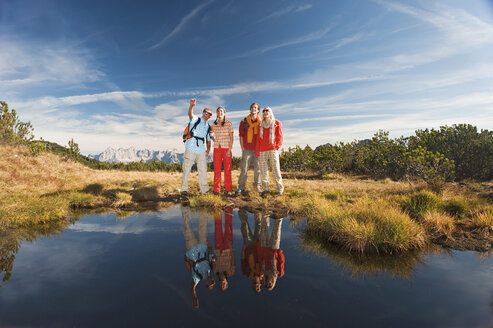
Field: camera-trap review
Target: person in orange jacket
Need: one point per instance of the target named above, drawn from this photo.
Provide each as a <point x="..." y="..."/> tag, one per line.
<point x="250" y="264"/>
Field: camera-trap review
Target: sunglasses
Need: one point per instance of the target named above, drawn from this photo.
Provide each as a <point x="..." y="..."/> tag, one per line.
<point x="265" y="110"/>
<point x="209" y="113"/>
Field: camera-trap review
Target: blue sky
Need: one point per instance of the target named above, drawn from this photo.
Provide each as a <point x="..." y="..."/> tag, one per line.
<point x="121" y="73"/>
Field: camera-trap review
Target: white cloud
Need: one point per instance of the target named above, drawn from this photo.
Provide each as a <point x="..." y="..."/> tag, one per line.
<point x="302" y="39"/>
<point x="28" y="63"/>
<point x="181" y="25"/>
<point x="285" y="10"/>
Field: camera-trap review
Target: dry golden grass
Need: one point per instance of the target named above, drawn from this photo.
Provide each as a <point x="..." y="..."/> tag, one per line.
<point x="439" y="224"/>
<point x="36" y="190"/>
<point x="366" y="226"/>
<point x="122" y="199"/>
<point x="483" y="220"/>
<point x="207" y="200"/>
<point x="48" y="173"/>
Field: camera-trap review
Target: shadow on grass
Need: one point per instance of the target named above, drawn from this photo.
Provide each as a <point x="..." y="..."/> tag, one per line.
<point x="145" y="194"/>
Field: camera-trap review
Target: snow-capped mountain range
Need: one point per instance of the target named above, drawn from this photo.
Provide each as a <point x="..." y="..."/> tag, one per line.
<point x="122" y="155"/>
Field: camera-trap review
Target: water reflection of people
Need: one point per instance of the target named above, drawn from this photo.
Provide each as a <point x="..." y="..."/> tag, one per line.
<point x="198" y="257"/>
<point x="271" y="256"/>
<point x="250" y="264"/>
<point x="224" y="256"/>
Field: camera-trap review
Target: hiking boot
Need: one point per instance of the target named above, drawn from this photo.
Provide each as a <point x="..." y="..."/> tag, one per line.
<point x="216" y="193"/>
<point x="184" y="193"/>
<point x="264" y="193"/>
<point x="239" y="192"/>
<point x="229" y="193"/>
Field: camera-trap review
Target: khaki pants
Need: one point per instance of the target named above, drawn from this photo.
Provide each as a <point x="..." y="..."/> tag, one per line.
<point x="247" y="157"/>
<point x="191" y="239"/>
<point x="189" y="159"/>
<point x="266" y="158"/>
<point x="249" y="237"/>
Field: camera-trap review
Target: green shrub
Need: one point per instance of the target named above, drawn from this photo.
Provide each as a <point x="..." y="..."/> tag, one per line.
<point x="457" y="207"/>
<point x="36" y="147"/>
<point x="433" y="168"/>
<point x="420" y="203"/>
<point x="470" y="149"/>
<point x="12" y="130"/>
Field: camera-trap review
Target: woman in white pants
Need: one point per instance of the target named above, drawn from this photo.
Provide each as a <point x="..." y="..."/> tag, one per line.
<point x="269" y="141"/>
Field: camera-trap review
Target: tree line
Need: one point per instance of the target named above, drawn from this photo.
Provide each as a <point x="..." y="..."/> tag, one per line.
<point x="454" y="152"/>
<point x="450" y="153"/>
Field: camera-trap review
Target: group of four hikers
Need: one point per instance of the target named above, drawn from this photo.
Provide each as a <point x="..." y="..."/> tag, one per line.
<point x="260" y="141"/>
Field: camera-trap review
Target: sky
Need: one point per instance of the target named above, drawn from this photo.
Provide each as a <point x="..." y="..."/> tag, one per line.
<point x="121" y="73"/>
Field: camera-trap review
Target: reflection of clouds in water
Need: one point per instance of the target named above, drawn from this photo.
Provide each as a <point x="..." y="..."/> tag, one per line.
<point x="54" y="267"/>
<point x="474" y="277"/>
<point x="134" y="224"/>
<point x="122" y="228"/>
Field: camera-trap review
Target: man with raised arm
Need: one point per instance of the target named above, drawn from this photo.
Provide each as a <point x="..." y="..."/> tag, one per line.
<point x="195" y="148"/>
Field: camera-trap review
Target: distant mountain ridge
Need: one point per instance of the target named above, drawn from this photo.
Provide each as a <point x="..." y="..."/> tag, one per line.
<point x="127" y="155"/>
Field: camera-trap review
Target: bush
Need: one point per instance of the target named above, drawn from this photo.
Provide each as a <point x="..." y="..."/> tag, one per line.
<point x="420" y="203"/>
<point x="296" y="159"/>
<point x="457" y="207"/>
<point x="72" y="150"/>
<point x="36" y="147"/>
<point x="380" y="157"/>
<point x="433" y="168"/>
<point x="471" y="151"/>
<point x="12" y="130"/>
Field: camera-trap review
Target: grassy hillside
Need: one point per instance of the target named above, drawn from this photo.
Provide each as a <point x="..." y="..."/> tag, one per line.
<point x="43" y="188"/>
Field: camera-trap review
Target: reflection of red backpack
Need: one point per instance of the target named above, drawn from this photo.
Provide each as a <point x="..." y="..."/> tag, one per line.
<point x="279" y="261"/>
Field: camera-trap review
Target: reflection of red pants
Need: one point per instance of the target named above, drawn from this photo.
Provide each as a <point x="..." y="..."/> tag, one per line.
<point x="224" y="241"/>
<point x="219" y="157"/>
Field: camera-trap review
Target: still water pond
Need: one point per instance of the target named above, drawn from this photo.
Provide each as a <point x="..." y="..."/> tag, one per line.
<point x="108" y="272"/>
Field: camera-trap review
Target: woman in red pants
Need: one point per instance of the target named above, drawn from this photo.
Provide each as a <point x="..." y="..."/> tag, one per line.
<point x="224" y="265"/>
<point x="222" y="130"/>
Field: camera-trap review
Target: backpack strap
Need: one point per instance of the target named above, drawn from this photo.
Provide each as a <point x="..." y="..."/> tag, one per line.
<point x="194" y="126"/>
<point x="195" y="263"/>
